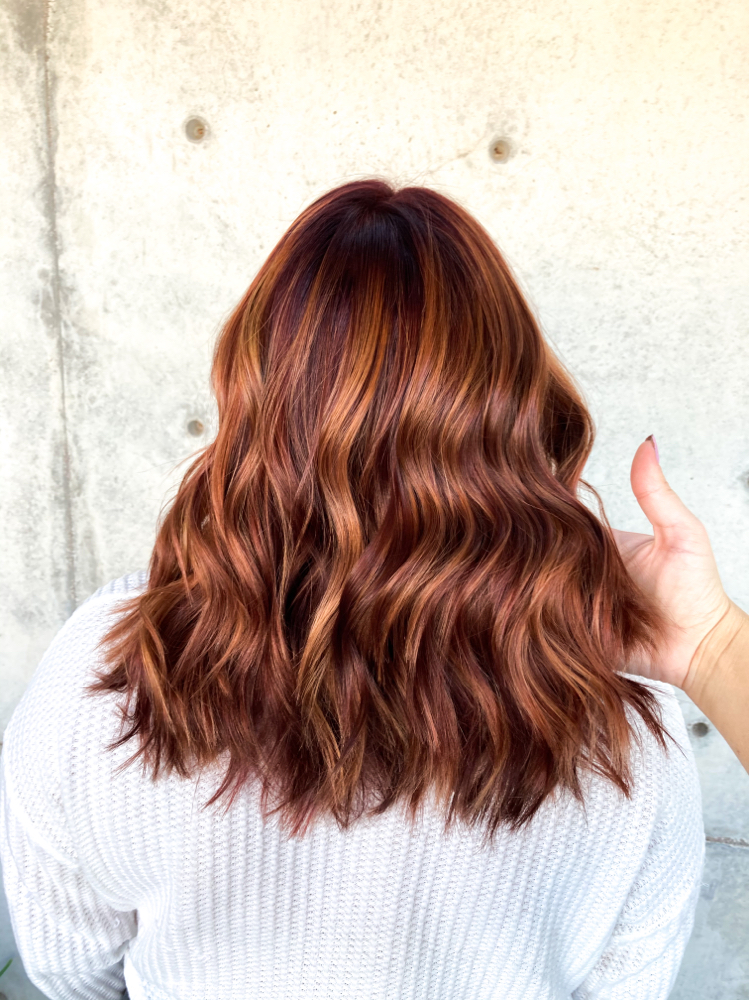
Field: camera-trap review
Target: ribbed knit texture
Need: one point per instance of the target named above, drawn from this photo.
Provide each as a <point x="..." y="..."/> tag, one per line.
<point x="100" y="868"/>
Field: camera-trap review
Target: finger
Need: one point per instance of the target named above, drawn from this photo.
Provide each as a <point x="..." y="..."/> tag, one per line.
<point x="665" y="510"/>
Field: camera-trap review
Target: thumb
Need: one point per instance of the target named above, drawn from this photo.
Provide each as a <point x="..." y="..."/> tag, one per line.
<point x="670" y="517"/>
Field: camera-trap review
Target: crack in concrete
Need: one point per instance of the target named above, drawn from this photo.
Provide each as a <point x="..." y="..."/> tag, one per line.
<point x="453" y="159"/>
<point x="56" y="318"/>
<point x="730" y="841"/>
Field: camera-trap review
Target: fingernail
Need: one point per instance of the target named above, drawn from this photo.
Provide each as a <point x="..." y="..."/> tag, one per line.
<point x="657" y="456"/>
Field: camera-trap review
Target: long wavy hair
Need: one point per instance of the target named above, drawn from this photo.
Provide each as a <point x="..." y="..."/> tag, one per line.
<point x="378" y="580"/>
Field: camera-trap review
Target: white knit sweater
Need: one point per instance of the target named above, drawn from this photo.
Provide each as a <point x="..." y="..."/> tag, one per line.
<point x="116" y="880"/>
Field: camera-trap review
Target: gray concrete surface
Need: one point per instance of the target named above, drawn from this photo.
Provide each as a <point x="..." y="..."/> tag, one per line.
<point x="623" y="208"/>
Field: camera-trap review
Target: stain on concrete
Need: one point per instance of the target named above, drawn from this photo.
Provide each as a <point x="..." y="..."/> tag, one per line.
<point x="27" y="19"/>
<point x="51" y="304"/>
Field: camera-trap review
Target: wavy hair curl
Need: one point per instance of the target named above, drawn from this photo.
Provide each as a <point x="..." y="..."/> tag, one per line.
<point x="379" y="580"/>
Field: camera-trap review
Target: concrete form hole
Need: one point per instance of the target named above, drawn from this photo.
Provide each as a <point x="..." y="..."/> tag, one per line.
<point x="700" y="729"/>
<point x="195" y="427"/>
<point x="500" y="150"/>
<point x="196" y="129"/>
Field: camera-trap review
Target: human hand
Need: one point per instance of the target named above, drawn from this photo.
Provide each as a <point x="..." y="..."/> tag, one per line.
<point x="676" y="567"/>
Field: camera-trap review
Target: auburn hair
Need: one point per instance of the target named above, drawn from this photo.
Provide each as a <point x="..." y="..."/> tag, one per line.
<point x="379" y="580"/>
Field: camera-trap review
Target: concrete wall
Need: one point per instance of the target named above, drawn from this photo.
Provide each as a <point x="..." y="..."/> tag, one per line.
<point x="623" y="207"/>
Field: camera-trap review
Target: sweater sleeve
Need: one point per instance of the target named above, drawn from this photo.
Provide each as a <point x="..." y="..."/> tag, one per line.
<point x="70" y="939"/>
<point x="642" y="957"/>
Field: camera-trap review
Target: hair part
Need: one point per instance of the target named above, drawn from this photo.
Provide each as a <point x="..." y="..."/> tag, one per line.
<point x="378" y="580"/>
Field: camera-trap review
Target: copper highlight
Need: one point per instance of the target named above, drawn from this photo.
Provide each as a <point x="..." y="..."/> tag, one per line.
<point x="379" y="578"/>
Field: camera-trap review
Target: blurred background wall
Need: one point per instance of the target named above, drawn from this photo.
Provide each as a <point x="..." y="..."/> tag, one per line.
<point x="153" y="152"/>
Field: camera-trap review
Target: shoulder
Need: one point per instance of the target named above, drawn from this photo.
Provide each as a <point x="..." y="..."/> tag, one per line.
<point x="668" y="705"/>
<point x="69" y="657"/>
<point x="663" y="897"/>
<point x="665" y="799"/>
<point x="669" y="775"/>
<point x="69" y="654"/>
<point x="38" y="733"/>
<point x="87" y="625"/>
<point x="123" y="586"/>
<point x="669" y="709"/>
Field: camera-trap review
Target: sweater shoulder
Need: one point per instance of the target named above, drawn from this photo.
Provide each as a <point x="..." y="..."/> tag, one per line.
<point x="129" y="584"/>
<point x="36" y="742"/>
<point x="670" y="714"/>
<point x="669" y="773"/>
